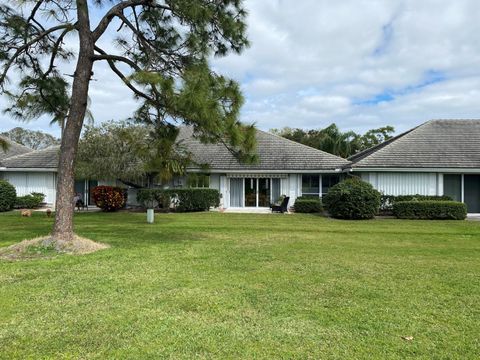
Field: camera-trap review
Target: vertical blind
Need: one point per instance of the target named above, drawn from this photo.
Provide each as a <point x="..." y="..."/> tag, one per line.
<point x="236" y="192"/>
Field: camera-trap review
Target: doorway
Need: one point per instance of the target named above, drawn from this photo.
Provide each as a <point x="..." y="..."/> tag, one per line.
<point x="472" y="193"/>
<point x="257" y="192"/>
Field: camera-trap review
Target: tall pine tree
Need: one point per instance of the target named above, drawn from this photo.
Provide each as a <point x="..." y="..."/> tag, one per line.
<point x="163" y="47"/>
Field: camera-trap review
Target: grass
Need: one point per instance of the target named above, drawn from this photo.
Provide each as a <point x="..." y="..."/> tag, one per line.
<point x="213" y="285"/>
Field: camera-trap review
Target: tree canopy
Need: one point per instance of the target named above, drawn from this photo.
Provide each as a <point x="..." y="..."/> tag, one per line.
<point x="31" y="138"/>
<point x="135" y="154"/>
<point x="332" y="140"/>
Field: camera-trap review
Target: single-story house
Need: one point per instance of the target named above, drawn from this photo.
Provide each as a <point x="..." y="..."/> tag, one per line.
<point x="439" y="157"/>
<point x="284" y="167"/>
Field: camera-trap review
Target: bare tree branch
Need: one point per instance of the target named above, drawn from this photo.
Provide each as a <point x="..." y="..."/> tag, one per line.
<point x="116" y="11"/>
<point x="111" y="62"/>
<point x="105" y="56"/>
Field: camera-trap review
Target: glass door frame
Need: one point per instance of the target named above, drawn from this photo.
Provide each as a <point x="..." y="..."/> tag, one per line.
<point x="257" y="191"/>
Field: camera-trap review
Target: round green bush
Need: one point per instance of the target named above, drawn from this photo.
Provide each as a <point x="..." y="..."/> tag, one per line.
<point x="8" y="196"/>
<point x="352" y="199"/>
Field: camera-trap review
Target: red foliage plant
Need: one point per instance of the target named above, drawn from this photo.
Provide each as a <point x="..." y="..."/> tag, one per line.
<point x="109" y="198"/>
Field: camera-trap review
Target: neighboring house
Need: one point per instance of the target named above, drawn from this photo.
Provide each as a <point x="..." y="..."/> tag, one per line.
<point x="439" y="157"/>
<point x="35" y="171"/>
<point x="30" y="170"/>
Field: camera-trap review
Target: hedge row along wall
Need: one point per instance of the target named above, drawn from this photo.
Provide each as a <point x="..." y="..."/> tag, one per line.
<point x="183" y="200"/>
<point x="433" y="210"/>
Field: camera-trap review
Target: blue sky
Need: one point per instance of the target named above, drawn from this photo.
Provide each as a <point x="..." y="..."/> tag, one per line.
<point x="358" y="63"/>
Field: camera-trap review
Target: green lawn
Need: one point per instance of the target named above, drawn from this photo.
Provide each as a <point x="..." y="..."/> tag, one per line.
<point x="214" y="285"/>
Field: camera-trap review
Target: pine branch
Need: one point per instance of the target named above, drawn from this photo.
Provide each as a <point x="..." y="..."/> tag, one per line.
<point x="24" y="47"/>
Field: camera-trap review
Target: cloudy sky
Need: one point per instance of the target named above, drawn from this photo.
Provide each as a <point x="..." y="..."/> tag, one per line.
<point x="358" y="63"/>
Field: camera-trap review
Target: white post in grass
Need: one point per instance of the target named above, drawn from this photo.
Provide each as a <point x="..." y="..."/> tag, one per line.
<point x="150" y="216"/>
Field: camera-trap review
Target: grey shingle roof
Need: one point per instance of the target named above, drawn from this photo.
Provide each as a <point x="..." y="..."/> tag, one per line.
<point x="434" y="144"/>
<point x="13" y="149"/>
<point x="39" y="159"/>
<point x="274" y="153"/>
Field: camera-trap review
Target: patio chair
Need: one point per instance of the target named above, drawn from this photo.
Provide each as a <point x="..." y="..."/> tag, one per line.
<point x="283" y="207"/>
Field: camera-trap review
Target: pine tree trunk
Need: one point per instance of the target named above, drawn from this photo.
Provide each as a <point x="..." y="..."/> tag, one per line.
<point x="63" y="227"/>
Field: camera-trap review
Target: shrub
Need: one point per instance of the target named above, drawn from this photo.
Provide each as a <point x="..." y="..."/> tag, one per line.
<point x="31" y="201"/>
<point x="109" y="198"/>
<point x="307" y="205"/>
<point x="186" y="200"/>
<point x="153" y="198"/>
<point x="183" y="200"/>
<point x="352" y="199"/>
<point x="430" y="209"/>
<point x="389" y="200"/>
<point x="8" y="195"/>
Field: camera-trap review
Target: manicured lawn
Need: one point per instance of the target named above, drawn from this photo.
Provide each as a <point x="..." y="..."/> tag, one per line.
<point x="234" y="286"/>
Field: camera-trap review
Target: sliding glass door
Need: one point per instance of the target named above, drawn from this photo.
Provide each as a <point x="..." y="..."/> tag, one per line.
<point x="254" y="192"/>
<point x="251" y="192"/>
<point x="263" y="193"/>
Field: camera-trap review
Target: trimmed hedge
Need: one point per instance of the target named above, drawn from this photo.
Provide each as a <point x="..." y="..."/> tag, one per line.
<point x="31" y="201"/>
<point x="109" y="198"/>
<point x="8" y="195"/>
<point x="304" y="204"/>
<point x="352" y="199"/>
<point x="433" y="210"/>
<point x="389" y="200"/>
<point x="183" y="200"/>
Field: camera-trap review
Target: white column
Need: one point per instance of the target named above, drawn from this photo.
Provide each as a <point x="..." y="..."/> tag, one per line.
<point x="320" y="186"/>
<point x="440" y="184"/>
<point x="463" y="188"/>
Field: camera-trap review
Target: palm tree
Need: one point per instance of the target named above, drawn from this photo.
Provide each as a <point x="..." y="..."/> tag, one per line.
<point x="333" y="141"/>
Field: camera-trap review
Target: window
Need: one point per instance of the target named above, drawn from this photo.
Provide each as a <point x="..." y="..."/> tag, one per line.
<point x="198" y="181"/>
<point x="311" y="185"/>
<point x="328" y="181"/>
<point x="452" y="186"/>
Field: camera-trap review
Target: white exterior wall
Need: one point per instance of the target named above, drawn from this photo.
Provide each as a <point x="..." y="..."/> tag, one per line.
<point x="27" y="182"/>
<point x="294" y="183"/>
<point x="215" y="181"/>
<point x="396" y="183"/>
<point x="224" y="191"/>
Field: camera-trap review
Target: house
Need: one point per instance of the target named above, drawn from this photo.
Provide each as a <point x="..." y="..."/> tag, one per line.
<point x="439" y="157"/>
<point x="284" y="167"/>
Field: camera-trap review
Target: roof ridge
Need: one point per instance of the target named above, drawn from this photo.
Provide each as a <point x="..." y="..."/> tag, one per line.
<point x="30" y="152"/>
<point x="373" y="150"/>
